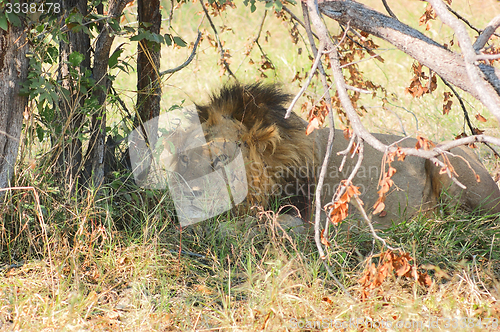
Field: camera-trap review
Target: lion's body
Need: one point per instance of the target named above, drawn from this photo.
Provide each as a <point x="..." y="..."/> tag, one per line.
<point x="281" y="160"/>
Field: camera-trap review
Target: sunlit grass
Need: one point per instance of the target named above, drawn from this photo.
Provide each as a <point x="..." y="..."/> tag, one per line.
<point x="119" y="261"/>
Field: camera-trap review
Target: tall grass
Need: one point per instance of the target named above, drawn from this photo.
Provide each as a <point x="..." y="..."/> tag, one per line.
<point x="117" y="259"/>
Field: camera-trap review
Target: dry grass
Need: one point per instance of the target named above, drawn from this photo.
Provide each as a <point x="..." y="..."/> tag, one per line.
<point x="119" y="262"/>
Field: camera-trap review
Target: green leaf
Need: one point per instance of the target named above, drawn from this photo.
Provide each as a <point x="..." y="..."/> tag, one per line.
<point x="140" y="36"/>
<point x="13" y="19"/>
<point x="76" y="58"/>
<point x="40" y="132"/>
<point x="168" y="39"/>
<point x="278" y="5"/>
<point x="113" y="59"/>
<point x="52" y="54"/>
<point x="155" y="38"/>
<point x="114" y="24"/>
<point x="179" y="42"/>
<point x="4" y="25"/>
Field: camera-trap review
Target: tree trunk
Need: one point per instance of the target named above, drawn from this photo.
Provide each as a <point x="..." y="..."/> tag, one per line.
<point x="94" y="158"/>
<point x="13" y="71"/>
<point x="148" y="76"/>
<point x="148" y="64"/>
<point x="70" y="116"/>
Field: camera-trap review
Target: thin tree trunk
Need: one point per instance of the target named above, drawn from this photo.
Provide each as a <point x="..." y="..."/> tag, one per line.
<point x="148" y="76"/>
<point x="70" y="159"/>
<point x="13" y="71"/>
<point x="148" y="64"/>
<point x="94" y="158"/>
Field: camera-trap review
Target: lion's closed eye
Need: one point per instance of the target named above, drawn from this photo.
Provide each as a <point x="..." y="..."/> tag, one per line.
<point x="220" y="161"/>
<point x="184" y="160"/>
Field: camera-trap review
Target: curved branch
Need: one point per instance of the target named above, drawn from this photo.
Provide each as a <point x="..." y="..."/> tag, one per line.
<point x="219" y="43"/>
<point x="191" y="57"/>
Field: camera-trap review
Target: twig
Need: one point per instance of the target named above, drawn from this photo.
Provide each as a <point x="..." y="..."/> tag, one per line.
<point x="221" y="48"/>
<point x="345" y="152"/>
<point x="363" y="60"/>
<point x="408" y="111"/>
<point x="403" y="131"/>
<point x="341" y="190"/>
<point x="460" y="17"/>
<point x="285" y="8"/>
<point x="324" y="166"/>
<point x="358" y="204"/>
<point x="487" y="57"/>
<point x="386" y="5"/>
<point x="488" y="31"/>
<point x="317" y="60"/>
<point x="462" y="105"/>
<point x="256" y="40"/>
<point x="353" y="88"/>
<point x="188" y="61"/>
<point x="463" y="141"/>
<point x="171" y="14"/>
<point x="8" y="135"/>
<point x="466" y="115"/>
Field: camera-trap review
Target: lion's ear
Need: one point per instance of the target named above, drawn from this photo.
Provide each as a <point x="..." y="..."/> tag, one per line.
<point x="202" y="113"/>
<point x="265" y="138"/>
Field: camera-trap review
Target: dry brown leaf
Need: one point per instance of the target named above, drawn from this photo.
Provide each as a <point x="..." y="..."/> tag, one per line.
<point x="324" y="241"/>
<point x="480" y="118"/>
<point x="313" y="124"/>
<point x="379" y="207"/>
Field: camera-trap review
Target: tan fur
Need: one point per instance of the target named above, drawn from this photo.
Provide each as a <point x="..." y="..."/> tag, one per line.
<point x="279" y="155"/>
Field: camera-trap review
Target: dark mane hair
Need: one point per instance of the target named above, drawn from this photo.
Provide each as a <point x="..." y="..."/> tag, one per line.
<point x="251" y="104"/>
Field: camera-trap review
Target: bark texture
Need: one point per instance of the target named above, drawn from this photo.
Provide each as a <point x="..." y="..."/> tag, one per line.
<point x="94" y="164"/>
<point x="148" y="63"/>
<point x="71" y="117"/>
<point x="13" y="71"/>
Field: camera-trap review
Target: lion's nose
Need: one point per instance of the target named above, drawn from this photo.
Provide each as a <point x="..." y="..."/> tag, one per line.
<point x="196" y="191"/>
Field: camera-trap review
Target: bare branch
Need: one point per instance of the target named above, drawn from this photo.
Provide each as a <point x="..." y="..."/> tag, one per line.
<point x="466" y="140"/>
<point x="353" y="88"/>
<point x="487" y="33"/>
<point x="487" y="57"/>
<point x="9" y="136"/>
<point x="221" y="48"/>
<point x="293" y="16"/>
<point x="462" y="105"/>
<point x="324" y="166"/>
<point x="319" y="53"/>
<point x="449" y="65"/>
<point x="460" y="17"/>
<point x="187" y="62"/>
<point x="485" y="95"/>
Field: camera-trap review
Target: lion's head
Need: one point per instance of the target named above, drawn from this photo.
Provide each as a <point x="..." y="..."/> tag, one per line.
<point x="247" y="121"/>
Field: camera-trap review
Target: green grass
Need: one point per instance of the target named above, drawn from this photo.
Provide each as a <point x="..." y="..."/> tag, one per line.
<point x="119" y="261"/>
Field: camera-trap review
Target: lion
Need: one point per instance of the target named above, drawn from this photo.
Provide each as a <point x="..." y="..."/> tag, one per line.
<point x="247" y="121"/>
